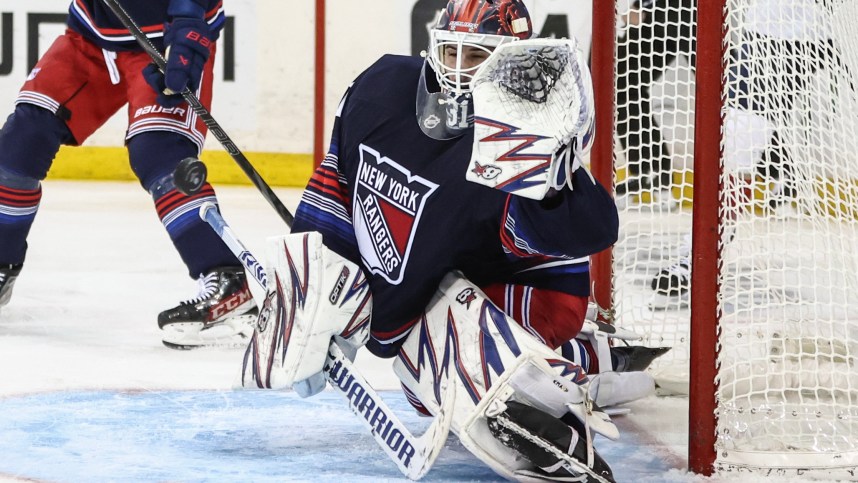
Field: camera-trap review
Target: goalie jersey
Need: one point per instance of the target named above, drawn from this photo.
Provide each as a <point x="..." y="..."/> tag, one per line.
<point x="94" y="20"/>
<point x="396" y="202"/>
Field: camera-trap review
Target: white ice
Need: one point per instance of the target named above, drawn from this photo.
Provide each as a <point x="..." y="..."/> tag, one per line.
<point x="89" y="393"/>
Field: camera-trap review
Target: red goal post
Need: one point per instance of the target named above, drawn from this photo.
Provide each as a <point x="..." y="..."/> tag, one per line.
<point x="734" y="155"/>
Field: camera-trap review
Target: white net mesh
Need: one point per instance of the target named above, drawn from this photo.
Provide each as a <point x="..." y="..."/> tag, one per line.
<point x="789" y="219"/>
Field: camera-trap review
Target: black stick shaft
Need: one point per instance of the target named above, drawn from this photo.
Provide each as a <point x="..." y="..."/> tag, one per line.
<point x="204" y="114"/>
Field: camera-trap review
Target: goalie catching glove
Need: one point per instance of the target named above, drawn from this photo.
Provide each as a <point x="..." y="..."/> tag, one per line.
<point x="313" y="296"/>
<point x="533" y="117"/>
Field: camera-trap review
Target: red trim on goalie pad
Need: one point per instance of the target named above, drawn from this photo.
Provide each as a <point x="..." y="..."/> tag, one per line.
<point x="72" y="79"/>
<point x="556" y="316"/>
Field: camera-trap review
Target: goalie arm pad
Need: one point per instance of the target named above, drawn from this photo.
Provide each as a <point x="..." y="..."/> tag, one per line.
<point x="573" y="224"/>
<point x="314" y="296"/>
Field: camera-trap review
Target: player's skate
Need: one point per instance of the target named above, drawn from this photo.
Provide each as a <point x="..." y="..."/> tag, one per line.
<point x="8" y="274"/>
<point x="559" y="451"/>
<point x="672" y="285"/>
<point x="222" y="314"/>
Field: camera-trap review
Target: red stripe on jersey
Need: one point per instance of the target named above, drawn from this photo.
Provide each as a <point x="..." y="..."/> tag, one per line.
<point x="20" y="198"/>
<point x="147" y="29"/>
<point x="108" y="31"/>
<point x="385" y="336"/>
<point x="558" y="317"/>
<point x="174" y="199"/>
<point x="174" y="196"/>
<point x="327" y="182"/>
<point x="213" y="12"/>
<point x="506" y="239"/>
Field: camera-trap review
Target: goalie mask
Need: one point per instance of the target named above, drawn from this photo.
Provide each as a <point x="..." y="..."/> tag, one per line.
<point x="467" y="33"/>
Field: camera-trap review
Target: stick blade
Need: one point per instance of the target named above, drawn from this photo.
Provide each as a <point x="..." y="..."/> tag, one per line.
<point x="432" y="441"/>
<point x="414" y="456"/>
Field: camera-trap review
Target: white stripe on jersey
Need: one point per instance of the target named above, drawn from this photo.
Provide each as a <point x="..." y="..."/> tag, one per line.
<point x="35" y="98"/>
<point x="8" y="210"/>
<point x="556" y="263"/>
<point x="185" y="208"/>
<point x="326" y="205"/>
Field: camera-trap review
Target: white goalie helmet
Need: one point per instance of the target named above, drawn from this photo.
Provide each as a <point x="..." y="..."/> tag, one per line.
<point x="466" y="34"/>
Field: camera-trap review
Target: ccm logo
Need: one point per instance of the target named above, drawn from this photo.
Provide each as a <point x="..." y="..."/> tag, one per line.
<point x="338" y="287"/>
<point x="229" y="305"/>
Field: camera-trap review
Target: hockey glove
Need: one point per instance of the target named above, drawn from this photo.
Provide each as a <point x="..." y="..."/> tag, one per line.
<point x="188" y="42"/>
<point x="155" y="78"/>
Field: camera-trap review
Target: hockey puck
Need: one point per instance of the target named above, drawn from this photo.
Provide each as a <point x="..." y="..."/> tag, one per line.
<point x="190" y="176"/>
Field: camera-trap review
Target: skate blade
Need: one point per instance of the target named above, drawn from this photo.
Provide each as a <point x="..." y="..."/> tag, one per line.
<point x="233" y="332"/>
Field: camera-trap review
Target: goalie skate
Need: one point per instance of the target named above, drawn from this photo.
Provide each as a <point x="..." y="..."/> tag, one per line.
<point x="558" y="450"/>
<point x="222" y="314"/>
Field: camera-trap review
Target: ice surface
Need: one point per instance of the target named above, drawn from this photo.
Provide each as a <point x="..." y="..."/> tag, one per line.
<point x="88" y="393"/>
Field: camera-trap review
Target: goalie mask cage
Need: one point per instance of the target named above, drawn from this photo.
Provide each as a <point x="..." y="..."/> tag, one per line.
<point x="751" y="144"/>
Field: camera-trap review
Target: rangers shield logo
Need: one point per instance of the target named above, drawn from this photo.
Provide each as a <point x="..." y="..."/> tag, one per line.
<point x="388" y="203"/>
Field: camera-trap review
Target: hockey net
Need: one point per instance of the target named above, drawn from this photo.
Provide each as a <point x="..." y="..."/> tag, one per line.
<point x="787" y="266"/>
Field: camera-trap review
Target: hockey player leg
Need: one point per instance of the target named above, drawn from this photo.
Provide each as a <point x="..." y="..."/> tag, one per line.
<point x="222" y="311"/>
<point x="29" y="141"/>
<point x="466" y="341"/>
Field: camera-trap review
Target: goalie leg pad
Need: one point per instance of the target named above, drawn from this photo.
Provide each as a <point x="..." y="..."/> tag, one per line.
<point x="465" y="340"/>
<point x="314" y="296"/>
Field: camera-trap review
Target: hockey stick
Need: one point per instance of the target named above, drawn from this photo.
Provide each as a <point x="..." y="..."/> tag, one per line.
<point x="203" y="113"/>
<point x="413" y="455"/>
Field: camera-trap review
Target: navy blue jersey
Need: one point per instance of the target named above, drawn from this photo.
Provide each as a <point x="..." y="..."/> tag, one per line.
<point x="94" y="20"/>
<point x="396" y="201"/>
